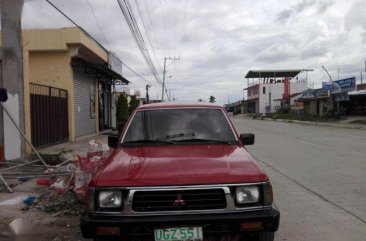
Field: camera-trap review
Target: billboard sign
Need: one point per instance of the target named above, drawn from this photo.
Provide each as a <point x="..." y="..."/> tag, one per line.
<point x="311" y="93"/>
<point x="327" y="86"/>
<point x="344" y="85"/>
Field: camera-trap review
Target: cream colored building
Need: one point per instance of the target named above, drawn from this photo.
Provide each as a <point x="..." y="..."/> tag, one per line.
<point x="68" y="83"/>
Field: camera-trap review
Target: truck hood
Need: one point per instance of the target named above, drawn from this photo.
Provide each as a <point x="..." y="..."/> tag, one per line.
<point x="178" y="165"/>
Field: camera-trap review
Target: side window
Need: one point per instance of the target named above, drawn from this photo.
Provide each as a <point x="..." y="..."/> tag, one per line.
<point x="135" y="130"/>
<point x="264" y="90"/>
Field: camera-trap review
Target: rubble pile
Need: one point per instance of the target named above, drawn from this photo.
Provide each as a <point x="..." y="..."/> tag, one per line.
<point x="62" y="203"/>
<point x="67" y="180"/>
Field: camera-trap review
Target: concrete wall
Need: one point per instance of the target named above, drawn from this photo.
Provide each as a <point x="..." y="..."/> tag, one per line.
<point x="276" y="91"/>
<point x="51" y="68"/>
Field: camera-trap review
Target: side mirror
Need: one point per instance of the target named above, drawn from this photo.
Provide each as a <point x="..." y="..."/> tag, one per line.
<point x="247" y="139"/>
<point x="113" y="141"/>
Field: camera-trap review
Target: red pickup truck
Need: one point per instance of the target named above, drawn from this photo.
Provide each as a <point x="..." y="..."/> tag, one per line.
<point x="180" y="172"/>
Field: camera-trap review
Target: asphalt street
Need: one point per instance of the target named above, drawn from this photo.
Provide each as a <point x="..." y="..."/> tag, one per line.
<point x="319" y="178"/>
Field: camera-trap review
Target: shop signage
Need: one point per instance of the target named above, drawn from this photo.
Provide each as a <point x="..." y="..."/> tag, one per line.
<point x="314" y="93"/>
<point x="344" y="85"/>
<point x="327" y="86"/>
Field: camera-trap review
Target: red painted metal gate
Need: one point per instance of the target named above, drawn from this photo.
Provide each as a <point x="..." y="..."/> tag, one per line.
<point x="49" y="115"/>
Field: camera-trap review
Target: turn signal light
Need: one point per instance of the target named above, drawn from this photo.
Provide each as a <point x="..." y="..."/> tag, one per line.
<point x="108" y="230"/>
<point x="251" y="226"/>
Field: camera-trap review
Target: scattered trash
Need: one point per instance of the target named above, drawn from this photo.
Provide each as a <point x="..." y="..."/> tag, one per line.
<point x="82" y="179"/>
<point x="43" y="181"/>
<point x="97" y="150"/>
<point x="21" y="226"/>
<point x="60" y="190"/>
<point x="23" y="179"/>
<point x="30" y="200"/>
<point x="59" y="184"/>
<point x="68" y="182"/>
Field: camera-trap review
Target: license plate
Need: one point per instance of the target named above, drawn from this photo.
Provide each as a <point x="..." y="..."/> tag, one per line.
<point x="179" y="233"/>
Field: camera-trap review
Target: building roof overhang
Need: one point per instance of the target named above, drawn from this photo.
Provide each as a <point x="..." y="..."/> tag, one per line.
<point x="100" y="70"/>
<point x="290" y="73"/>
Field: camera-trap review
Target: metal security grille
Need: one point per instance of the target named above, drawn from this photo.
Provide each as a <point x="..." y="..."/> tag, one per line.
<point x="49" y="115"/>
<point x="178" y="200"/>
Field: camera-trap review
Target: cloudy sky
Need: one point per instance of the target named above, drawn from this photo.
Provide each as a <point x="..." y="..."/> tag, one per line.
<point x="219" y="41"/>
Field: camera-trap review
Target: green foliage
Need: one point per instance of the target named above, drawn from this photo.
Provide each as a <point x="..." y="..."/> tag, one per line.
<point x="134" y="103"/>
<point x="121" y="112"/>
<point x="212" y="99"/>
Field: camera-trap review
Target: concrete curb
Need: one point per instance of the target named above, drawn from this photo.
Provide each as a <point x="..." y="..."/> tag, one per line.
<point x="336" y="125"/>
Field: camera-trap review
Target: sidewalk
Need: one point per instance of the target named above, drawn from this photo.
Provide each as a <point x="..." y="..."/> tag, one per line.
<point x="79" y="147"/>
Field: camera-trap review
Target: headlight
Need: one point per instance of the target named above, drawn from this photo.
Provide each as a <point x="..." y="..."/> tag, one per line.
<point x="110" y="199"/>
<point x="247" y="194"/>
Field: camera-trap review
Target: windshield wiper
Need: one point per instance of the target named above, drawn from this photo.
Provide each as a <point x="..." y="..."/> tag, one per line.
<point x="204" y="141"/>
<point x="147" y="142"/>
<point x="169" y="137"/>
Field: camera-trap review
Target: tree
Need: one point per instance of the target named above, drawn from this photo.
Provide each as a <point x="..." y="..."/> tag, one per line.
<point x="134" y="103"/>
<point x="212" y="99"/>
<point x="121" y="112"/>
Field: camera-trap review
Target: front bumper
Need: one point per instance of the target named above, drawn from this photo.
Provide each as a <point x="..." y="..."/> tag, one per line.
<point x="212" y="224"/>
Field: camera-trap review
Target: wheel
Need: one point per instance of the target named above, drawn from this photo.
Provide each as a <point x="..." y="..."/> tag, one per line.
<point x="266" y="236"/>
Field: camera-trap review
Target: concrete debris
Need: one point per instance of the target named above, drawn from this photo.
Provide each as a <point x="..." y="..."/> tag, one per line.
<point x="65" y="203"/>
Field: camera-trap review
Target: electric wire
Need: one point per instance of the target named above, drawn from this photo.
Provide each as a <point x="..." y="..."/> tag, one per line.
<point x="98" y="24"/>
<point x="136" y="33"/>
<point x="146" y="32"/>
<point x="90" y="36"/>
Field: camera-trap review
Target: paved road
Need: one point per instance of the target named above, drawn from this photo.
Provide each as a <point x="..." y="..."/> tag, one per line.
<point x="319" y="178"/>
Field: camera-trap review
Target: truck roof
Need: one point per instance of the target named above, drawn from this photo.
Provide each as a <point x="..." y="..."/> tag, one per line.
<point x="169" y="105"/>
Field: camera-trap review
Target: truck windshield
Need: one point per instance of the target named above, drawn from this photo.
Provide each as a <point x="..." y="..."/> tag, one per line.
<point x="171" y="126"/>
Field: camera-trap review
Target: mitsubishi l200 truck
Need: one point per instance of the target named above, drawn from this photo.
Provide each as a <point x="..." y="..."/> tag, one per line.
<point x="180" y="172"/>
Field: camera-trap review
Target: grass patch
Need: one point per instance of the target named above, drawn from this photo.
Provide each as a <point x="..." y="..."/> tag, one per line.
<point x="363" y="122"/>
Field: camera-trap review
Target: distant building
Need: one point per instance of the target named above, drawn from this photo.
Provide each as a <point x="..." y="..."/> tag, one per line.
<point x="266" y="87"/>
<point x="236" y="107"/>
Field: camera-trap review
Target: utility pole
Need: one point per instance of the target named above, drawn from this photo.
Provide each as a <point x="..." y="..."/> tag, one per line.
<point x="12" y="77"/>
<point x="147" y="94"/>
<point x="361" y="77"/>
<point x="164" y="72"/>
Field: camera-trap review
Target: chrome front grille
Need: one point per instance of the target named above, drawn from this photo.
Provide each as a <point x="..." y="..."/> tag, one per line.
<point x="179" y="200"/>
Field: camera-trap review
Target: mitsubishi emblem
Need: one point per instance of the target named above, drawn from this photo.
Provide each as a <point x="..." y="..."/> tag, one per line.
<point x="179" y="201"/>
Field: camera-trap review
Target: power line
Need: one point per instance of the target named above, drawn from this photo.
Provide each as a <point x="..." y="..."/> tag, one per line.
<point x="73" y="22"/>
<point x="137" y="73"/>
<point x="136" y="33"/>
<point x="98" y="25"/>
<point x="146" y="30"/>
<point x="90" y="36"/>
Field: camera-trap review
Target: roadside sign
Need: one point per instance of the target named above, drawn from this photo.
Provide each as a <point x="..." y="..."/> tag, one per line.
<point x="327" y="86"/>
<point x="344" y="85"/>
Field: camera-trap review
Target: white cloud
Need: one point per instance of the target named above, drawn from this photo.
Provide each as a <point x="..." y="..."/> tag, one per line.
<point x="218" y="41"/>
